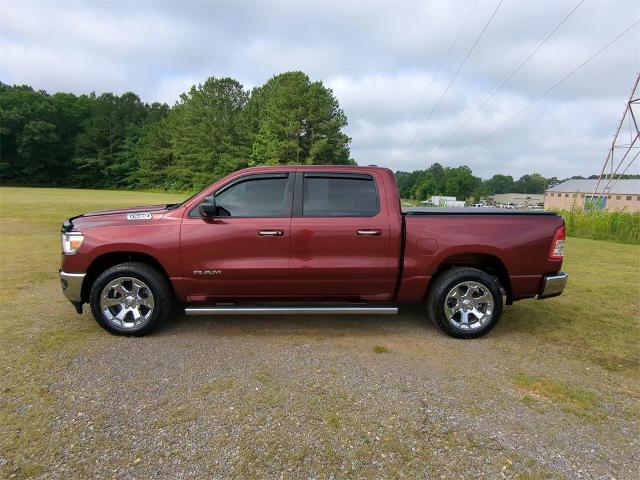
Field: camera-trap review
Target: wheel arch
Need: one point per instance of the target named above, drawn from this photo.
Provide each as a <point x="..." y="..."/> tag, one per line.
<point x="486" y="262"/>
<point x="108" y="260"/>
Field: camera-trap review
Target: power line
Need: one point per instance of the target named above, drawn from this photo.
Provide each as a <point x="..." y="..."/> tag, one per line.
<point x="543" y="94"/>
<point x="475" y="43"/>
<point x="518" y="66"/>
<point x="442" y="63"/>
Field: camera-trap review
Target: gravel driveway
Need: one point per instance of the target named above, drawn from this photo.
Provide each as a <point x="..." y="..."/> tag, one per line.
<point x="294" y="397"/>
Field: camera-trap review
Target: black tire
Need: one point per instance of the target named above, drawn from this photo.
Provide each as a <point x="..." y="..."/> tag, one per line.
<point x="155" y="291"/>
<point x="438" y="300"/>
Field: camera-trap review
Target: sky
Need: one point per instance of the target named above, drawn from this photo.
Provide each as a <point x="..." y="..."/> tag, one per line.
<point x="415" y="79"/>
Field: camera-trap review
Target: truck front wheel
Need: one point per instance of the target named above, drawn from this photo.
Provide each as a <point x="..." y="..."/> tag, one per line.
<point x="465" y="302"/>
<point x="130" y="299"/>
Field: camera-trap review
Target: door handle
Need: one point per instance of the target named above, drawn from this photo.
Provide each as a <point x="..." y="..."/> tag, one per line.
<point x="370" y="232"/>
<point x="271" y="233"/>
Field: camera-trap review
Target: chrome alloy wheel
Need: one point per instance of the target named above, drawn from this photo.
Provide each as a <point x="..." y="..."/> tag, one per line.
<point x="469" y="305"/>
<point x="127" y="302"/>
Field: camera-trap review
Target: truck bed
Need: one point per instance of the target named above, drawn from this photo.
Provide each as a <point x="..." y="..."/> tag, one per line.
<point x="417" y="211"/>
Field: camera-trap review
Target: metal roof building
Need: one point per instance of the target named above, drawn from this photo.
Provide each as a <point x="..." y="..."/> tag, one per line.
<point x="620" y="195"/>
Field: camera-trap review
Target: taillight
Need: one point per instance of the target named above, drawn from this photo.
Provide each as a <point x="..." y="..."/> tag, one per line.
<point x="556" y="252"/>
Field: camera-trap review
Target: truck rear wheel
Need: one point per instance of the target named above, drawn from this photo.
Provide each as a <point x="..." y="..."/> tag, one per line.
<point x="465" y="302"/>
<point x="130" y="299"/>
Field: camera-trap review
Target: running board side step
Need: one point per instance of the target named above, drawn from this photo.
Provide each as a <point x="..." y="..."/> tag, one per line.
<point x="336" y="310"/>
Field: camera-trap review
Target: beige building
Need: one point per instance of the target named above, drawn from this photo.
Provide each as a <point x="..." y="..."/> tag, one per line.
<point x="621" y="195"/>
<point x="524" y="199"/>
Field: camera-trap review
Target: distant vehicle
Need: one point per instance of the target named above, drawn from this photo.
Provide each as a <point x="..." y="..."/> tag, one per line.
<point x="308" y="240"/>
<point x="438" y="200"/>
<point x="445" y="202"/>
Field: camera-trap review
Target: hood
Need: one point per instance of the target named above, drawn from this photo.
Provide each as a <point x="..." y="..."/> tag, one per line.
<point x="125" y="211"/>
<point x="114" y="216"/>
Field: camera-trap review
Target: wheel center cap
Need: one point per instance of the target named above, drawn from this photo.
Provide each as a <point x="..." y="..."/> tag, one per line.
<point x="129" y="301"/>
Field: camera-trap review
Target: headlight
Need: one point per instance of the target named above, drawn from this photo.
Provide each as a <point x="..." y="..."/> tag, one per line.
<point x="71" y="242"/>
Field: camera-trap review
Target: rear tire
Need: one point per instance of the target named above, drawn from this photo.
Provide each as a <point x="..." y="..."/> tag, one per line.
<point x="465" y="302"/>
<point x="130" y="299"/>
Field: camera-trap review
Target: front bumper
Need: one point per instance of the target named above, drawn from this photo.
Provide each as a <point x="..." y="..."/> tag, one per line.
<point x="553" y="285"/>
<point x="72" y="286"/>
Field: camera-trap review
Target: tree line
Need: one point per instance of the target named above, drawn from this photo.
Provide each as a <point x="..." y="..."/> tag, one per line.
<point x="119" y="141"/>
<point x="460" y="182"/>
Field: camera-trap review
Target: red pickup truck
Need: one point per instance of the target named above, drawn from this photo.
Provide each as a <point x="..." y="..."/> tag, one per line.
<point x="308" y="240"/>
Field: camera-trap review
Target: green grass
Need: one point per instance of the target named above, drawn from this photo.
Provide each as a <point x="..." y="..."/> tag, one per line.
<point x="623" y="227"/>
<point x="596" y="318"/>
<point x="380" y="349"/>
<point x="570" y="398"/>
<point x="218" y="386"/>
<point x="333" y="421"/>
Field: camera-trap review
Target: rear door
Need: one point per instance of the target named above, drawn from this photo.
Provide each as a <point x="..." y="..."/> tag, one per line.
<point x="340" y="237"/>
<point x="244" y="251"/>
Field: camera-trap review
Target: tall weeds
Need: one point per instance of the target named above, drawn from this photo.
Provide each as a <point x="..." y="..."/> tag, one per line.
<point x="622" y="227"/>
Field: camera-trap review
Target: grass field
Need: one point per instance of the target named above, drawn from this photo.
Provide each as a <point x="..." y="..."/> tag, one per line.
<point x="595" y="323"/>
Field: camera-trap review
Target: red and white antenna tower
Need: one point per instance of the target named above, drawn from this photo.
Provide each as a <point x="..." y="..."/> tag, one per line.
<point x="620" y="155"/>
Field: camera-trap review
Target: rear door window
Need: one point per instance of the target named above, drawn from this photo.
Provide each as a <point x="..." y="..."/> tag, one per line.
<point x="339" y="196"/>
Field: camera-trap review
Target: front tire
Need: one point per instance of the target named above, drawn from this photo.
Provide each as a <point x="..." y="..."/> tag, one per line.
<point x="130" y="299"/>
<point x="465" y="302"/>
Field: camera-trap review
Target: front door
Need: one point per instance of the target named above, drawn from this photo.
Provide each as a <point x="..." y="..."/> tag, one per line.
<point x="340" y="238"/>
<point x="243" y="252"/>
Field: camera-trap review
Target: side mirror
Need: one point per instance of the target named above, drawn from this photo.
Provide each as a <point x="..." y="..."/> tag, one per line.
<point x="208" y="207"/>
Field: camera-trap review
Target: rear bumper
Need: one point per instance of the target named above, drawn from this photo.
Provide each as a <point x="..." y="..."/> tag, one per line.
<point x="72" y="286"/>
<point x="553" y="285"/>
